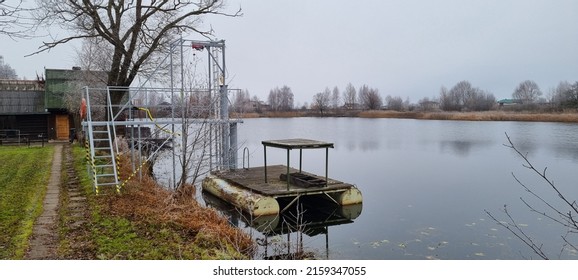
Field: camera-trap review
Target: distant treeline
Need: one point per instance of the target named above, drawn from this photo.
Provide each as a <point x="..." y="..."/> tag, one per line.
<point x="462" y="97"/>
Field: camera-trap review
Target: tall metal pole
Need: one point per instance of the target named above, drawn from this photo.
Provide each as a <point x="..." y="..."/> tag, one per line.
<point x="173" y="110"/>
<point x="224" y="117"/>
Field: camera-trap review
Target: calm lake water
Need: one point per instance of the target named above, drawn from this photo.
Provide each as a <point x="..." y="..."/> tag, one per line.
<point x="426" y="185"/>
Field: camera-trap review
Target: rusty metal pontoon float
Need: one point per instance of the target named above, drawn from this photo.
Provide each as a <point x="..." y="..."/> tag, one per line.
<point x="262" y="190"/>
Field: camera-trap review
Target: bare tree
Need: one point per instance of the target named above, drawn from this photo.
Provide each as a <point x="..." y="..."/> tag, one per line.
<point x="321" y="101"/>
<point x="449" y="102"/>
<point x="571" y="96"/>
<point x="394" y="103"/>
<point x="12" y="21"/>
<point x="463" y="96"/>
<point x="135" y="31"/>
<point x="562" y="212"/>
<point x="335" y="98"/>
<point x="257" y="104"/>
<point x="242" y="101"/>
<point x="350" y="96"/>
<point x="6" y="71"/>
<point x="281" y="99"/>
<point x="527" y="91"/>
<point x="94" y="55"/>
<point x="565" y="95"/>
<point x="195" y="140"/>
<point x="369" y="98"/>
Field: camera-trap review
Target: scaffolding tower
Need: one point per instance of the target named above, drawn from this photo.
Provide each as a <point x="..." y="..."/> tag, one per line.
<point x="148" y="126"/>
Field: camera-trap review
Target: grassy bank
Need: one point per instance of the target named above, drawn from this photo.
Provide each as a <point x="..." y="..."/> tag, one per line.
<point x="24" y="173"/>
<point x="149" y="222"/>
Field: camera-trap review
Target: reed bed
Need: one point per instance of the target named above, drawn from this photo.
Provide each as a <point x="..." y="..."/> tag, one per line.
<point x="476" y="116"/>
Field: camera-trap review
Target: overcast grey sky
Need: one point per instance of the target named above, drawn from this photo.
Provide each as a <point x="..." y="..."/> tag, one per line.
<point x="406" y="48"/>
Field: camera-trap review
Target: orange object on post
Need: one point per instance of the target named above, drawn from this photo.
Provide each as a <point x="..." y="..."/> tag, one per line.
<point x="82" y="108"/>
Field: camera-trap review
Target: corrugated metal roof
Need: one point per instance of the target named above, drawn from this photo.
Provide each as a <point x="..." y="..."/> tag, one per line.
<point x="21" y="102"/>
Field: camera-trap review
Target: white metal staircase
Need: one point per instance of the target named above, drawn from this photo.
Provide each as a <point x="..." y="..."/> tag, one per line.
<point x="104" y="165"/>
<point x="100" y="138"/>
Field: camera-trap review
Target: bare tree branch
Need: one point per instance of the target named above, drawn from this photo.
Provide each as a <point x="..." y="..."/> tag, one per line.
<point x="565" y="218"/>
<point x="13" y="20"/>
<point x="136" y="30"/>
<point x="542" y="175"/>
<point x="517" y="231"/>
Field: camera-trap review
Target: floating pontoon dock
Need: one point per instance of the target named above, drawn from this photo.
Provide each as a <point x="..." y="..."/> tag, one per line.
<point x="258" y="190"/>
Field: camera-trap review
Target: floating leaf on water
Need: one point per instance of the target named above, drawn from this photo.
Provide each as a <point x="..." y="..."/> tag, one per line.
<point x="479" y="254"/>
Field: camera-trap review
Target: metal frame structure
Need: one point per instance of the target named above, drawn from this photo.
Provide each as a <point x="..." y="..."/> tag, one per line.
<point x="101" y="132"/>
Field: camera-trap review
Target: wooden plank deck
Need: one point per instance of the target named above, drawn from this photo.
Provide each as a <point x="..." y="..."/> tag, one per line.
<point x="254" y="179"/>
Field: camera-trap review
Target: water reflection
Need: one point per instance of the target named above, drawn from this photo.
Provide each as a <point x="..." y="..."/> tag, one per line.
<point x="566" y="151"/>
<point x="462" y="147"/>
<point x="281" y="236"/>
<point x="364" y="146"/>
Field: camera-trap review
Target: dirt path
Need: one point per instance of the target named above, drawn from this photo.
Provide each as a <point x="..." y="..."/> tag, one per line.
<point x="44" y="241"/>
<point x="65" y="214"/>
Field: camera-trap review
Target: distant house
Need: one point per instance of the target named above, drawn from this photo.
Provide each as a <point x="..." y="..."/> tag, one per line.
<point x="38" y="107"/>
<point x="22" y="108"/>
<point x="64" y="88"/>
<point x="258" y="106"/>
<point x="429" y="105"/>
<point x="509" y="102"/>
<point x="351" y="106"/>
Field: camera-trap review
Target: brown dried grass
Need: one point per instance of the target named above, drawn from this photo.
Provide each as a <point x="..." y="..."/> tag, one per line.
<point x="476" y="116"/>
<point x="236" y="115"/>
<point x="281" y="114"/>
<point x="144" y="201"/>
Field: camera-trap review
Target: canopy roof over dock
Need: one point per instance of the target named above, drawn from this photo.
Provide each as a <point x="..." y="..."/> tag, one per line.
<point x="297" y="144"/>
<point x="300" y="144"/>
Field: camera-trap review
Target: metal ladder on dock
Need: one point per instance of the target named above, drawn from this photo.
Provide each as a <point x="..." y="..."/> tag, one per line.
<point x="103" y="160"/>
<point x="100" y="139"/>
